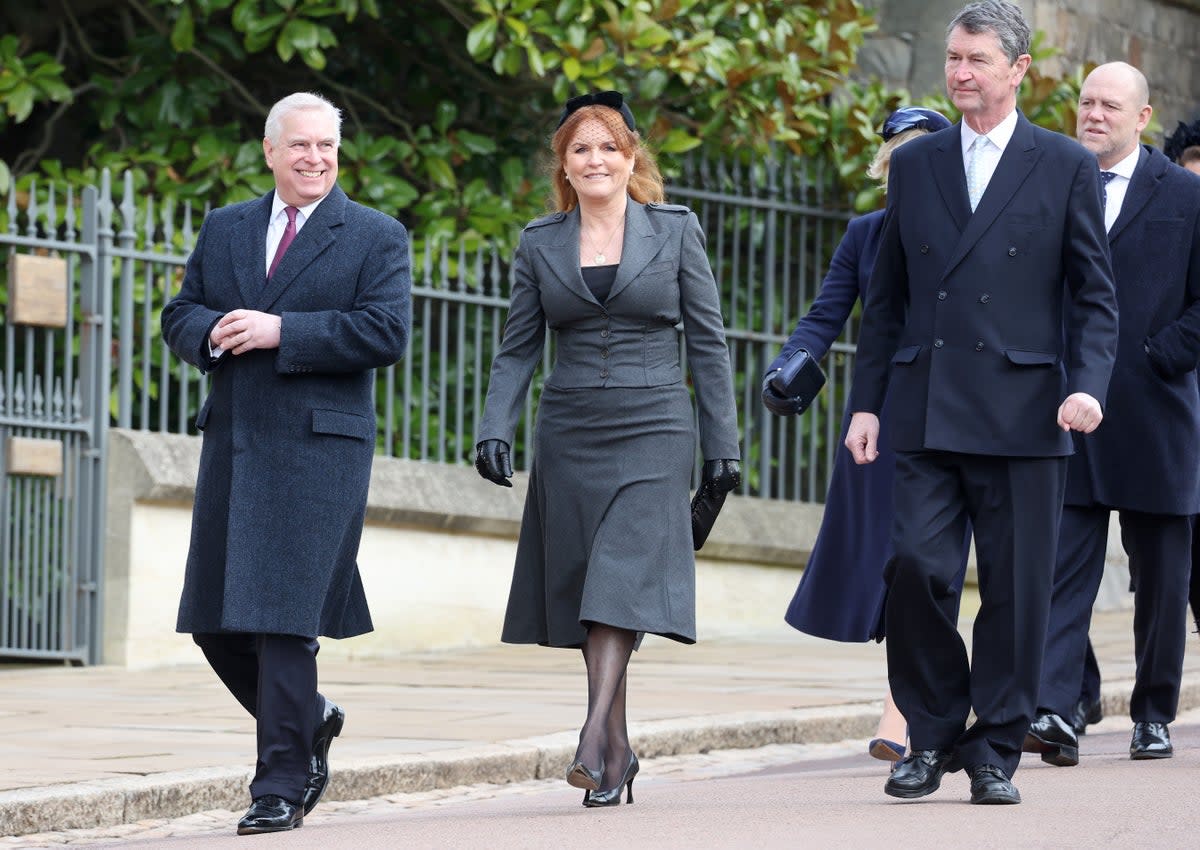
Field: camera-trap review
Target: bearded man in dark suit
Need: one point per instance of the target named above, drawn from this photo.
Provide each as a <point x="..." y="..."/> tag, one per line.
<point x="991" y="320"/>
<point x="290" y="301"/>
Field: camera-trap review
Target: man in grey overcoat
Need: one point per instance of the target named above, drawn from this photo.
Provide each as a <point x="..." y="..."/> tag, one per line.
<point x="290" y="301"/>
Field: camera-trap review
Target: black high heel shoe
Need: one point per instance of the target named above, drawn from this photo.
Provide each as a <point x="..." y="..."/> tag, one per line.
<point x="580" y="776"/>
<point x="612" y="797"/>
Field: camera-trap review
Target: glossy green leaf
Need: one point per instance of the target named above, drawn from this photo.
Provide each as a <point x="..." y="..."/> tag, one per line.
<point x="183" y="34"/>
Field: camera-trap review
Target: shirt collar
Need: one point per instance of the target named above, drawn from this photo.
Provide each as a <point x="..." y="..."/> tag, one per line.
<point x="1128" y="165"/>
<point x="278" y="205"/>
<point x="998" y="135"/>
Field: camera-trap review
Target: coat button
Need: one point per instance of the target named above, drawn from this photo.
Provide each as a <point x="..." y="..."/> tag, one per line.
<point x="937" y="343"/>
<point x="979" y="345"/>
<point x="941" y="295"/>
<point x="603" y="373"/>
<point x="924" y="249"/>
<point x="1012" y="252"/>
<point x="985" y="298"/>
<point x="604" y="353"/>
<point x="604" y="333"/>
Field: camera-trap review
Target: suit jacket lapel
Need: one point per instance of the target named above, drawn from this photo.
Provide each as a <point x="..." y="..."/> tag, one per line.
<point x="562" y="257"/>
<point x="314" y="237"/>
<point x="248" y="249"/>
<point x="1143" y="185"/>
<point x="1018" y="159"/>
<point x="946" y="162"/>
<point x="642" y="244"/>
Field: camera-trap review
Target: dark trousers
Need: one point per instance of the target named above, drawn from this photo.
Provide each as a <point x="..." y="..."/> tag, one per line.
<point x="1194" y="588"/>
<point x="1013" y="505"/>
<point x="274" y="677"/>
<point x="1159" y="548"/>
<point x="1089" y="690"/>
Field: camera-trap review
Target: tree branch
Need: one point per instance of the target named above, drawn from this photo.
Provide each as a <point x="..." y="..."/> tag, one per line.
<point x="28" y="159"/>
<point x="206" y="60"/>
<point x="351" y="93"/>
<point x="456" y="12"/>
<point x="84" y="43"/>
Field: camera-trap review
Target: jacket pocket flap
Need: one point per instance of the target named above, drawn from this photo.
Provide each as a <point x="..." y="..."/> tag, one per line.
<point x="1020" y="357"/>
<point x="907" y="354"/>
<point x="343" y="424"/>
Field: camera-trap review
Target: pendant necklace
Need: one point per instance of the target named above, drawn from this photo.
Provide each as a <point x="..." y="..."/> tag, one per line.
<point x="599" y="256"/>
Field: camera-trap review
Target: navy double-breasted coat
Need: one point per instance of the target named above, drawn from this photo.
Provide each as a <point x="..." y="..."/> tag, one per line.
<point x="289" y="433"/>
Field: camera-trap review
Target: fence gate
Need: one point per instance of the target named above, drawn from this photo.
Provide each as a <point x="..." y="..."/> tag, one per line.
<point x="54" y="388"/>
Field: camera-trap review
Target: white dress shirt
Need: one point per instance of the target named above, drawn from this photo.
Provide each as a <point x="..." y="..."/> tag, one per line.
<point x="1118" y="186"/>
<point x="999" y="136"/>
<point x="278" y="223"/>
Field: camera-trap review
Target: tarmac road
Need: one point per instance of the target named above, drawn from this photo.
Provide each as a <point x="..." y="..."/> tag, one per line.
<point x="779" y="796"/>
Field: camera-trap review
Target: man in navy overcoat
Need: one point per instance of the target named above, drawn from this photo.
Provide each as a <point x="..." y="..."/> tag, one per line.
<point x="290" y="301"/>
<point x="991" y="321"/>
<point x="1144" y="461"/>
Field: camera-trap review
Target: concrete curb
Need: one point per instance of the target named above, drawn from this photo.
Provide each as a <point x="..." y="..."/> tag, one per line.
<point x="90" y="805"/>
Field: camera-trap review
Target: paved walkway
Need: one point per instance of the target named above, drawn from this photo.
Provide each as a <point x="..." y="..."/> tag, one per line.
<point x="99" y="746"/>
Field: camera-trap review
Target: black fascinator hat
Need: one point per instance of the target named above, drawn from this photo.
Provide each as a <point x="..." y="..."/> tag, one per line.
<point x="1185" y="136"/>
<point x="611" y="99"/>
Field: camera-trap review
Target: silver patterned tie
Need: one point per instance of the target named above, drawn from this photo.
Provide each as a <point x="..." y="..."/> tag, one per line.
<point x="975" y="183"/>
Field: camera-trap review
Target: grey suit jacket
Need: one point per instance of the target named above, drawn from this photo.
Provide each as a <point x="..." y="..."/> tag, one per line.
<point x="631" y="340"/>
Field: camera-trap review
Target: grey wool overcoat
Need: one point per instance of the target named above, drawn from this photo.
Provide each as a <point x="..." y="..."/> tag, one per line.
<point x="289" y="433"/>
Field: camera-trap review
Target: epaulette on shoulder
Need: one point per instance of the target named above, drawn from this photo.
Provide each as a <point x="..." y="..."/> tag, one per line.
<point x="674" y="208"/>
<point x="553" y="218"/>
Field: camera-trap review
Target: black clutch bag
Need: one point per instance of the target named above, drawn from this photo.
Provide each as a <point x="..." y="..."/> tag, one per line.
<point x="706" y="504"/>
<point x="799" y="380"/>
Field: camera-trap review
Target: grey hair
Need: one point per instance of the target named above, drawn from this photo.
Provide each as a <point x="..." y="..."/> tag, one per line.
<point x="295" y="102"/>
<point x="1000" y="17"/>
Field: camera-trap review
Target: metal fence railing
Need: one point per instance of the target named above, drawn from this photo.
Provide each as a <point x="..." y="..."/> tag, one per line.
<point x="771" y="227"/>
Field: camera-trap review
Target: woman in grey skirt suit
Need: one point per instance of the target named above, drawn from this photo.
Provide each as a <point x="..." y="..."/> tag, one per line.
<point x="605" y="551"/>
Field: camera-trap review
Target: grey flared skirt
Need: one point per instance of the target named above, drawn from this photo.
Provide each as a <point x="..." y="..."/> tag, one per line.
<point x="606" y="535"/>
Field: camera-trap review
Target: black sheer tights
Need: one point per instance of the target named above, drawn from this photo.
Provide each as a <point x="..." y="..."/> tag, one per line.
<point x="604" y="737"/>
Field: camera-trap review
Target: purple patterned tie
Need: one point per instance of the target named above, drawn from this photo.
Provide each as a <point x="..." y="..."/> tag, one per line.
<point x="289" y="233"/>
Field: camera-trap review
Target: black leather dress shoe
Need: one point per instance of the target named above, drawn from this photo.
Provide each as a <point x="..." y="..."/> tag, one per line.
<point x="1085" y="714"/>
<point x="1150" y="741"/>
<point x="917" y="774"/>
<point x="318" y="765"/>
<point x="270" y="814"/>
<point x="989" y="786"/>
<point x="1054" y="738"/>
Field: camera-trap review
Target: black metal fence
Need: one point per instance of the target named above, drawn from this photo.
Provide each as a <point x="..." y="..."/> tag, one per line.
<point x="771" y="227"/>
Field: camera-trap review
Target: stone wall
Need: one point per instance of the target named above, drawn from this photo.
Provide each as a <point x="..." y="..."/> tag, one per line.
<point x="1161" y="37"/>
<point x="436" y="557"/>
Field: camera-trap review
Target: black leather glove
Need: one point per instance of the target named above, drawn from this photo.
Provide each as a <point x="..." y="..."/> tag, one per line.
<point x="723" y="475"/>
<point x="492" y="461"/>
<point x="772" y="400"/>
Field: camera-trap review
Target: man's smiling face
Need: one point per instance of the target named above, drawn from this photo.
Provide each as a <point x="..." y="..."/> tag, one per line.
<point x="304" y="157"/>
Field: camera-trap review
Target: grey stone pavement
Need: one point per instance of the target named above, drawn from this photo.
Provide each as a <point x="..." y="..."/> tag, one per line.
<point x="106" y="749"/>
